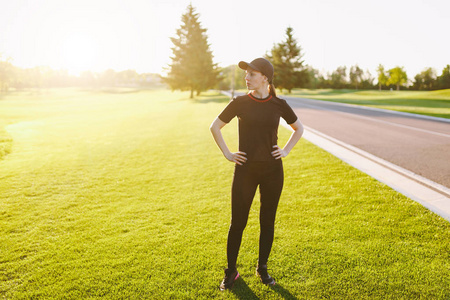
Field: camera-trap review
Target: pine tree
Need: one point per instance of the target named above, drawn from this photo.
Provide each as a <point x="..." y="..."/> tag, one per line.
<point x="286" y="60"/>
<point x="192" y="67"/>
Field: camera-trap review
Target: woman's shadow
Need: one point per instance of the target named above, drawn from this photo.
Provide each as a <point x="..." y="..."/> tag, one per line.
<point x="242" y="291"/>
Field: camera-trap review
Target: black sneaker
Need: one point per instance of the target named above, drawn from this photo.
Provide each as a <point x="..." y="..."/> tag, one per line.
<point x="261" y="271"/>
<point x="229" y="279"/>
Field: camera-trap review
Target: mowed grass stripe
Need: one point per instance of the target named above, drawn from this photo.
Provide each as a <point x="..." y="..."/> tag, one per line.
<point x="125" y="195"/>
<point x="431" y="103"/>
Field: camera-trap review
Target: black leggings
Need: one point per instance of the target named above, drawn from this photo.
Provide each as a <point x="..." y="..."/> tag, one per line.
<point x="269" y="176"/>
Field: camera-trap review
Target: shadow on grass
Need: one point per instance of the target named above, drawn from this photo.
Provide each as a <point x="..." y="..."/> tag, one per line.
<point x="283" y="292"/>
<point x="242" y="291"/>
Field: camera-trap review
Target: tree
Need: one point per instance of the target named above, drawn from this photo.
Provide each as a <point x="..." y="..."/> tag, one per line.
<point x="127" y="78"/>
<point x="338" y="78"/>
<point x="6" y="74"/>
<point x="312" y="78"/>
<point x="108" y="78"/>
<point x="232" y="78"/>
<point x="356" y="75"/>
<point x="192" y="67"/>
<point x="323" y="82"/>
<point x="426" y="80"/>
<point x="444" y="80"/>
<point x="382" y="77"/>
<point x="397" y="77"/>
<point x="367" y="81"/>
<point x="286" y="60"/>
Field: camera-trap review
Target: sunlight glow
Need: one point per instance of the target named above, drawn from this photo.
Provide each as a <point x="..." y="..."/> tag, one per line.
<point x="79" y="35"/>
<point x="79" y="53"/>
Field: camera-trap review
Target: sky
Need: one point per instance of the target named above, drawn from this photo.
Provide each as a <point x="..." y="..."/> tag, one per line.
<point x="79" y="35"/>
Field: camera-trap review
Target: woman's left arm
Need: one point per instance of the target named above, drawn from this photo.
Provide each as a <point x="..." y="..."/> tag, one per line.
<point x="278" y="153"/>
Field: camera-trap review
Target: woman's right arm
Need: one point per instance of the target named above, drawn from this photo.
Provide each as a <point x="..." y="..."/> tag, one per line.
<point x="237" y="157"/>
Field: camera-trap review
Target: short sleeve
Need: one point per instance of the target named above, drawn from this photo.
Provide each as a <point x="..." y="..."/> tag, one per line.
<point x="288" y="114"/>
<point x="229" y="112"/>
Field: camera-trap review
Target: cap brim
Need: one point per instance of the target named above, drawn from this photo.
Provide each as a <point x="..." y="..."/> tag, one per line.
<point x="244" y="66"/>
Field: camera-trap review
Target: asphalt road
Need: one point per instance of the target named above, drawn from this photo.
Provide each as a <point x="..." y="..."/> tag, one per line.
<point x="420" y="145"/>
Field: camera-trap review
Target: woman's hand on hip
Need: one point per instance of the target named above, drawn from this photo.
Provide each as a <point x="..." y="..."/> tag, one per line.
<point x="237" y="157"/>
<point x="278" y="152"/>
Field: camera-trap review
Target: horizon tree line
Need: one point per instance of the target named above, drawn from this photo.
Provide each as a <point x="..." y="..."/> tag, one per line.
<point x="45" y="77"/>
<point x="192" y="69"/>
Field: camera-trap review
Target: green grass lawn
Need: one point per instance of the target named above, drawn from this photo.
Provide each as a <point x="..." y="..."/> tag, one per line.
<point x="431" y="103"/>
<point x="124" y="195"/>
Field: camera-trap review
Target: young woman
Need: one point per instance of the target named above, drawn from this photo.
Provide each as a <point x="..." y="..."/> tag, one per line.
<point x="258" y="161"/>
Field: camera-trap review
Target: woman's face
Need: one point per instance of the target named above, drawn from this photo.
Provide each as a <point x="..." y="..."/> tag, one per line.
<point x="254" y="79"/>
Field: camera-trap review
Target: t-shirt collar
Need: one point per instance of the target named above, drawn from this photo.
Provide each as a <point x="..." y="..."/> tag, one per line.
<point x="259" y="100"/>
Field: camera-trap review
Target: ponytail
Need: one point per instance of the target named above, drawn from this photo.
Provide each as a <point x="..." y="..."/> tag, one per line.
<point x="272" y="90"/>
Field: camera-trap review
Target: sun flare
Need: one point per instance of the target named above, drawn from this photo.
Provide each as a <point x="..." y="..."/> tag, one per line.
<point x="79" y="53"/>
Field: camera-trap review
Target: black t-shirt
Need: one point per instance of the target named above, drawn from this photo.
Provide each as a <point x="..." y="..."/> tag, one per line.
<point x="258" y="123"/>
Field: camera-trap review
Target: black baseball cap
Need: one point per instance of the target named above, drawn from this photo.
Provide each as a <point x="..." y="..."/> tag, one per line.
<point x="261" y="65"/>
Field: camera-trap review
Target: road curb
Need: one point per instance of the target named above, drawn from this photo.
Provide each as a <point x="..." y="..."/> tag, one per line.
<point x="430" y="194"/>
